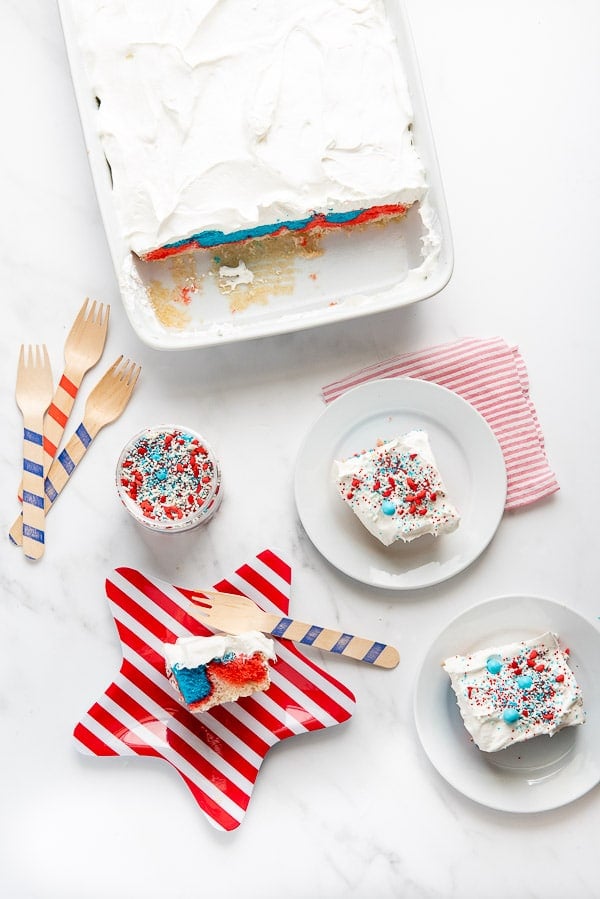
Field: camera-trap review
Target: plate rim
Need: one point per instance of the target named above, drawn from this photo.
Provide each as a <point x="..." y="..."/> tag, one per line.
<point x="421" y="666"/>
<point x="435" y="389"/>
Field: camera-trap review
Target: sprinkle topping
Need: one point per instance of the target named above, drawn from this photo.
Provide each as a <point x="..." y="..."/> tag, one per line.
<point x="515" y="692"/>
<point x="169" y="476"/>
<point x="395" y="491"/>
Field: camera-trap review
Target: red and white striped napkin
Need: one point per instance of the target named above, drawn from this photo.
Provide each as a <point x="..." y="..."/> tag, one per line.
<point x="492" y="376"/>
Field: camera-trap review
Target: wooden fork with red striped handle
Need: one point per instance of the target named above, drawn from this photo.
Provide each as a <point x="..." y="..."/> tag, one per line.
<point x="83" y="347"/>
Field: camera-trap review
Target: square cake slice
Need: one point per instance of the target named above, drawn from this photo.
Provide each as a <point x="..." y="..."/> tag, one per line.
<point x="223" y="122"/>
<point x="396" y="490"/>
<point x="508" y="694"/>
<point x="208" y="671"/>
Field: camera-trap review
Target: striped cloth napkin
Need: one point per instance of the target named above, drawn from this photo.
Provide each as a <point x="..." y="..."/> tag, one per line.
<point x="491" y="375"/>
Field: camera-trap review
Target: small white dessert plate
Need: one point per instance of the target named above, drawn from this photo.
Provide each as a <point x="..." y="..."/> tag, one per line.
<point x="543" y="773"/>
<point x="468" y="456"/>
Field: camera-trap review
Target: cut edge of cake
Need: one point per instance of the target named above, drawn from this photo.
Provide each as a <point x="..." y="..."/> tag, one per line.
<point x="209" y="671"/>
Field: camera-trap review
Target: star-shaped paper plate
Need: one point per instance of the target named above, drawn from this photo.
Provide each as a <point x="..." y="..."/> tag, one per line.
<point x="218" y="753"/>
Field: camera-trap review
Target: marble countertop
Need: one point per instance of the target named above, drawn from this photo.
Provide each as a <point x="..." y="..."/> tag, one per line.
<point x="356" y="810"/>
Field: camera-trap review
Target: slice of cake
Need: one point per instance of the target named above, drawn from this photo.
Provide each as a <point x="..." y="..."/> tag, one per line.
<point x="207" y="671"/>
<point x="223" y="122"/>
<point x="396" y="490"/>
<point x="508" y="694"/>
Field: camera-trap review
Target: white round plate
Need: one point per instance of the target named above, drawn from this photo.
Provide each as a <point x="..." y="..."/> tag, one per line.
<point x="541" y="773"/>
<point x="467" y="454"/>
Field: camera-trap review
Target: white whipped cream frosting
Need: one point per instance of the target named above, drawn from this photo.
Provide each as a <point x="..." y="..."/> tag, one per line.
<point x="191" y="652"/>
<point x="544" y="706"/>
<point x="363" y="480"/>
<point x="221" y="115"/>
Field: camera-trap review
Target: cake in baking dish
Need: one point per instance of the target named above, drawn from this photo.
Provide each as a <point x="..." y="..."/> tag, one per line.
<point x="226" y="121"/>
<point x="396" y="490"/>
<point x="511" y="693"/>
<point x="208" y="671"/>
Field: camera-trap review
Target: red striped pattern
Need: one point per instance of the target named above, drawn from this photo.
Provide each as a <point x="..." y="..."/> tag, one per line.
<point x="219" y="753"/>
<point x="492" y="376"/>
<point x="68" y="386"/>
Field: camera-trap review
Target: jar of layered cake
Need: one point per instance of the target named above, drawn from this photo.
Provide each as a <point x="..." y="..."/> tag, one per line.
<point x="169" y="479"/>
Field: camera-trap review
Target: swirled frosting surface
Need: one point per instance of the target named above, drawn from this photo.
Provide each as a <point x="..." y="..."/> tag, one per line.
<point x="221" y="115"/>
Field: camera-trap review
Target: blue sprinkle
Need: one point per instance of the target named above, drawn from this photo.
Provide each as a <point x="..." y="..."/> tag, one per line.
<point x="494" y="664"/>
<point x="510" y="715"/>
<point x="388" y="507"/>
<point x="524" y="681"/>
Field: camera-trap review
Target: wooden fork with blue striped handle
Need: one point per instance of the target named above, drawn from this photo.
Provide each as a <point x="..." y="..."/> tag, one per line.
<point x="34" y="395"/>
<point x="235" y="614"/>
<point x="105" y="403"/>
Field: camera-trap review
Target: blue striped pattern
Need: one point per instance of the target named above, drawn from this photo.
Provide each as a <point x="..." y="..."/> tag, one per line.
<point x="311" y="635"/>
<point x="33" y="533"/>
<point x="51" y="491"/>
<point x="342" y="643"/>
<point x="339" y="647"/>
<point x="281" y="627"/>
<point x="33" y="499"/>
<point x="33" y="468"/>
<point x="66" y="462"/>
<point x="33" y="436"/>
<point x="83" y="435"/>
<point x="374" y="652"/>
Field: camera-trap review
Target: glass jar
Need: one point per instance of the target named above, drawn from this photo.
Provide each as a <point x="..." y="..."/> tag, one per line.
<point x="169" y="479"/>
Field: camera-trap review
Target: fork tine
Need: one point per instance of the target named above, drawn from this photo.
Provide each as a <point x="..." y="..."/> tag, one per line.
<point x="82" y="314"/>
<point x="130" y="374"/>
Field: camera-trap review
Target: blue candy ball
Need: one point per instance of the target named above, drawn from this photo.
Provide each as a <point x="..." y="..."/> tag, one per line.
<point x="510" y="715"/>
<point x="494" y="664"/>
<point x="388" y="507"/>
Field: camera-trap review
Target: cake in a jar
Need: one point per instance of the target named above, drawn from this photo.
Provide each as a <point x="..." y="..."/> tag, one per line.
<point x="511" y="693"/>
<point x="169" y="478"/>
<point x="228" y="121"/>
<point x="208" y="671"/>
<point x="395" y="489"/>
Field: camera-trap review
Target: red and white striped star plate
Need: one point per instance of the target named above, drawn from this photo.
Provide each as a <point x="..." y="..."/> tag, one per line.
<point x="217" y="753"/>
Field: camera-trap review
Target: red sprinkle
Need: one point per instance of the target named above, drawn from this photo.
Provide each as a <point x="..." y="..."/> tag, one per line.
<point x="560" y="678"/>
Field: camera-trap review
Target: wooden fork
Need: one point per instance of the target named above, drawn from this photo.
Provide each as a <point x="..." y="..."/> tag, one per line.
<point x="105" y="403"/>
<point x="34" y="394"/>
<point x="235" y="614"/>
<point x="83" y="348"/>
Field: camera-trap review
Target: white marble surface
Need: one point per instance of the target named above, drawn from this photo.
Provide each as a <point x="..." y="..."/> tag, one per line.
<point x="513" y="92"/>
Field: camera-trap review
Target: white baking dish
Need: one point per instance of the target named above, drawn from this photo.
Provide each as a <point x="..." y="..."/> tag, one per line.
<point x="360" y="272"/>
